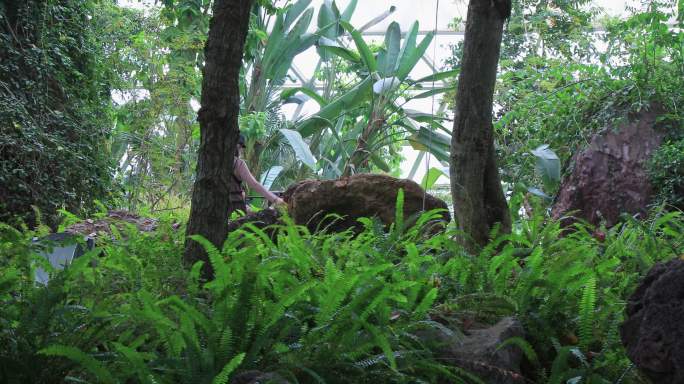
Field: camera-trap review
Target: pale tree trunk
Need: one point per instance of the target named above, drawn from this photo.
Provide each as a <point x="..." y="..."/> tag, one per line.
<point x="218" y="118"/>
<point x="479" y="202"/>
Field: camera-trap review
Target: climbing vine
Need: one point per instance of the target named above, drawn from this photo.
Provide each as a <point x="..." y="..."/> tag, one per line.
<point x="55" y="113"/>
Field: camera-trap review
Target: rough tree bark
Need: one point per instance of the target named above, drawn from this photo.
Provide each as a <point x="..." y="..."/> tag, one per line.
<point x="218" y="118"/>
<point x="479" y="202"/>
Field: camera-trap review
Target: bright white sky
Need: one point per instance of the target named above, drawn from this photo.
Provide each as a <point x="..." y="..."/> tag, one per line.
<point x="407" y="11"/>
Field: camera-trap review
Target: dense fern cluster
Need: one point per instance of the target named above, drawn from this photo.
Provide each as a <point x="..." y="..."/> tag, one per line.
<point x="322" y="308"/>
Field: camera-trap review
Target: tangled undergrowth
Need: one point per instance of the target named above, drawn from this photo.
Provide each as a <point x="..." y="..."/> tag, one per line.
<point x="324" y="308"/>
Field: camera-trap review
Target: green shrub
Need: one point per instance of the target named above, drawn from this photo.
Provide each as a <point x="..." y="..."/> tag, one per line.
<point x="54" y="110"/>
<point x="666" y="170"/>
<point x="327" y="308"/>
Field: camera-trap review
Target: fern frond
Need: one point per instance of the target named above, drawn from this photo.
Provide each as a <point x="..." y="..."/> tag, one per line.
<point x="214" y="254"/>
<point x="137" y="360"/>
<point x="524" y="346"/>
<point x="586" y="313"/>
<point x="424" y="306"/>
<point x="81" y="358"/>
<point x="224" y="375"/>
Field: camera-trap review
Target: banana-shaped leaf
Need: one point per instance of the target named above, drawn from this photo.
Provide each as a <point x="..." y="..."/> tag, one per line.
<point x="302" y="150"/>
<point x="548" y="165"/>
<point x="429" y="141"/>
<point x="286" y="41"/>
<point x="411" y="55"/>
<point x="439" y="76"/>
<point x="349" y="11"/>
<point x="295" y="10"/>
<point x="351" y="99"/>
<point x="362" y="47"/>
<point x="292" y="92"/>
<point x="328" y="26"/>
<point x="332" y="47"/>
<point x="430" y="93"/>
<point x="389" y="57"/>
<point x="433" y="174"/>
<point x="269" y="177"/>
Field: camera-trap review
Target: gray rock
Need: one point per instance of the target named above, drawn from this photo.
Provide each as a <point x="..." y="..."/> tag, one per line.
<point x="258" y="377"/>
<point x="477" y="351"/>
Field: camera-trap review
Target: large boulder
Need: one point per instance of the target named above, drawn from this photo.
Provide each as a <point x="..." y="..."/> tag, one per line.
<point x="478" y="350"/>
<point x="362" y="195"/>
<point x="260" y="219"/>
<point x="653" y="333"/>
<point x="609" y="177"/>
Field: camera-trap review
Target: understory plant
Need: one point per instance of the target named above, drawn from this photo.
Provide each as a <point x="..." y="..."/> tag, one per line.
<point x="285" y="303"/>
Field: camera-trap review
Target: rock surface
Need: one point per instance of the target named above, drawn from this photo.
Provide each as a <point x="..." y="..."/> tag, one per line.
<point x="95" y="228"/>
<point x="260" y="219"/>
<point x="258" y="377"/>
<point x="653" y="333"/>
<point x="609" y="177"/>
<point x="477" y="351"/>
<point x="361" y="195"/>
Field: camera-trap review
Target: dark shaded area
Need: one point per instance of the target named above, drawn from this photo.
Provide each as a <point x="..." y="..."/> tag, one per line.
<point x="610" y="177"/>
<point x="653" y="333"/>
<point x="260" y="219"/>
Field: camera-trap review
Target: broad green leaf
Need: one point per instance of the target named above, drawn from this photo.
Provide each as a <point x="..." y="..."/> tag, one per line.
<point x="548" y="165"/>
<point x="379" y="162"/>
<point x="349" y="11"/>
<point x="351" y="99"/>
<point x="388" y="59"/>
<point x="411" y="57"/>
<point x="432" y="92"/>
<point x="301" y="149"/>
<point x="422" y="117"/>
<point x="286" y="94"/>
<point x="362" y="47"/>
<point x="427" y="140"/>
<point x="331" y="46"/>
<point x="326" y="18"/>
<point x="439" y="76"/>
<point x="409" y="41"/>
<point x="430" y="178"/>
<point x="294" y="11"/>
<point x="269" y="177"/>
<point x="538" y="192"/>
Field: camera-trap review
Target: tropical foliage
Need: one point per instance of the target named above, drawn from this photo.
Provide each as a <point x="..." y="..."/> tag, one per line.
<point x="323" y="307"/>
<point x="98" y="108"/>
<point x="55" y="110"/>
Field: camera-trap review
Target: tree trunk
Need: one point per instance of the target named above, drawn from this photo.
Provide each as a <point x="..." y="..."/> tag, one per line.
<point x="479" y="202"/>
<point x="218" y="118"/>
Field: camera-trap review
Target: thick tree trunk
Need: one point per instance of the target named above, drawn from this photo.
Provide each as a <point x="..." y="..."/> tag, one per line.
<point x="478" y="198"/>
<point x="218" y="118"/>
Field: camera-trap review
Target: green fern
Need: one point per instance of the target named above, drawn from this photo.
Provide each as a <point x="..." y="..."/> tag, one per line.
<point x="524" y="346"/>
<point x="586" y="313"/>
<point x="86" y="361"/>
<point x="224" y="375"/>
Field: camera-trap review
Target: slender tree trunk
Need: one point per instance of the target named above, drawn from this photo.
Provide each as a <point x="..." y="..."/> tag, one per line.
<point x="218" y="118"/>
<point x="479" y="202"/>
